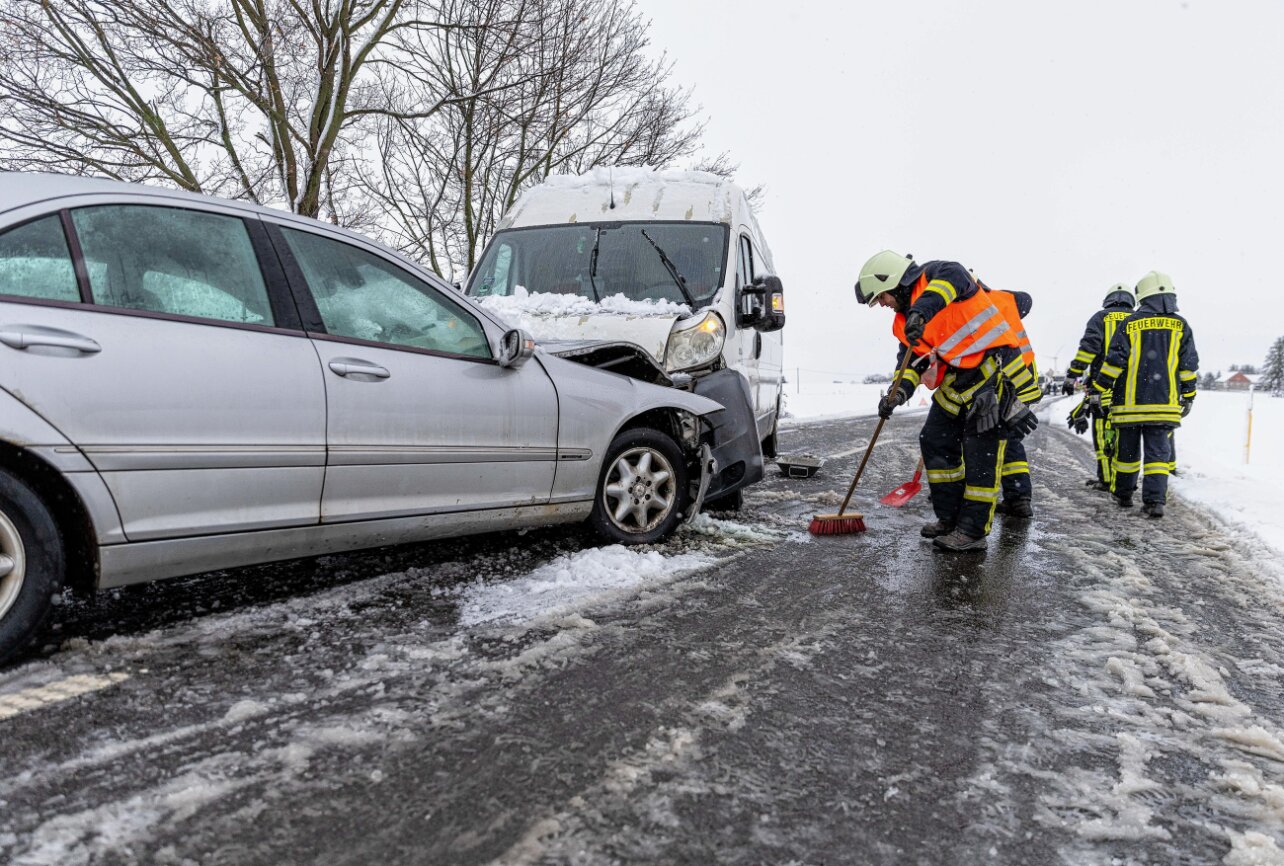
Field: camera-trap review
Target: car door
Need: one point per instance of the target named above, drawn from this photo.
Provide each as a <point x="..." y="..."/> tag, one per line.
<point x="421" y="417"/>
<point x="152" y="338"/>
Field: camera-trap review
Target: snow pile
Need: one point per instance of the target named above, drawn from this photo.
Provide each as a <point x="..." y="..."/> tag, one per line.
<point x="573" y="582"/>
<point x="522" y="302"/>
<point x="1210" y="458"/>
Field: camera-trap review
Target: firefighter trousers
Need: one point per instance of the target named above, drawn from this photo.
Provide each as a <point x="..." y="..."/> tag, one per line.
<point x="1154" y="469"/>
<point x="963" y="470"/>
<point x="1103" y="443"/>
<point x="1016" y="471"/>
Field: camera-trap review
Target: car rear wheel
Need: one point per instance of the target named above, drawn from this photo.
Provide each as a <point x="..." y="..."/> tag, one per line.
<point x="31" y="565"/>
<point x="643" y="491"/>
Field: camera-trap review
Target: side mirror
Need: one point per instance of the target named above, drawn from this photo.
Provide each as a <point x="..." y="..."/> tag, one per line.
<point x="762" y="305"/>
<point x="515" y="348"/>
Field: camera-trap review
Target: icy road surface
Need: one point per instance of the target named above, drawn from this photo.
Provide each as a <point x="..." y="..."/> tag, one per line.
<point x="1099" y="689"/>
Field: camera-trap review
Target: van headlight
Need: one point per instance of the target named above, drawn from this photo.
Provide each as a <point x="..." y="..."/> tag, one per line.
<point x="695" y="343"/>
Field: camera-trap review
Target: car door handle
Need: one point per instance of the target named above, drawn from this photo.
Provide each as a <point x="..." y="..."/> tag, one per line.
<point x="358" y="367"/>
<point x="26" y="336"/>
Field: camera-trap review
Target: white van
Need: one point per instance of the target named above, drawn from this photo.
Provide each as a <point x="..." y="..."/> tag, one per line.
<point x="660" y="275"/>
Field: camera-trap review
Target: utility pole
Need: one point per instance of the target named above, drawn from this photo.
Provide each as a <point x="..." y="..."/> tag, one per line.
<point x="798" y="380"/>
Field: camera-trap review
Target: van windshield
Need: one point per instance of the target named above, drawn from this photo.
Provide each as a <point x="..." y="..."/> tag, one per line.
<point x="560" y="260"/>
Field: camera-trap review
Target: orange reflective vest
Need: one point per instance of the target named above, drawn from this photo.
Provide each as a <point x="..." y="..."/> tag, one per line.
<point x="962" y="332"/>
<point x="1008" y="307"/>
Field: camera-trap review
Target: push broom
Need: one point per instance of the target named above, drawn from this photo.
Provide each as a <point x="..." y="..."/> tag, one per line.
<point x="843" y="523"/>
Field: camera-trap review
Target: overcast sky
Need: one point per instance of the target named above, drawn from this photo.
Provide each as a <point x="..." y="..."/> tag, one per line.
<point x="1055" y="148"/>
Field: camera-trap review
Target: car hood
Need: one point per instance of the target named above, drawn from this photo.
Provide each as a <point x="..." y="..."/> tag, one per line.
<point x="642" y="324"/>
<point x="615" y="356"/>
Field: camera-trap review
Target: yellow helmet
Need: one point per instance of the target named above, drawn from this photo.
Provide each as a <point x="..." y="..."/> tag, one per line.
<point x="1155" y="283"/>
<point x="880" y="274"/>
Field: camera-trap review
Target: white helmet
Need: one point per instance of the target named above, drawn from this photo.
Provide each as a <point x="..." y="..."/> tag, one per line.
<point x="1155" y="283"/>
<point x="880" y="274"/>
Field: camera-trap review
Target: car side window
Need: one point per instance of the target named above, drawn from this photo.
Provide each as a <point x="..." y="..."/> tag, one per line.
<point x="172" y="260"/>
<point x="362" y="296"/>
<point x="35" y="262"/>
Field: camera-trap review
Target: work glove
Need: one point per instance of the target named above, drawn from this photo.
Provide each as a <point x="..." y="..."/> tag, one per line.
<point x="914" y="325"/>
<point x="1093" y="400"/>
<point x="1067" y="387"/>
<point x="1186" y="403"/>
<point x="983" y="416"/>
<point x="1018" y="420"/>
<point x="1077" y="420"/>
<point x="1079" y="425"/>
<point x="890" y="402"/>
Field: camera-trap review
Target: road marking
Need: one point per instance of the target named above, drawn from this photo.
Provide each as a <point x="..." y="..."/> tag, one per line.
<point x="848" y="453"/>
<point x="53" y="693"/>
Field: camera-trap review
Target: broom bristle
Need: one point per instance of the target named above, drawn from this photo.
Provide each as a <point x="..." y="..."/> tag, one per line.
<point x="835" y="524"/>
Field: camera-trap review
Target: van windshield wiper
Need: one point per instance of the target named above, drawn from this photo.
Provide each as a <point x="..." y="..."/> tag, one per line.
<point x="669" y="266"/>
<point x="597" y="242"/>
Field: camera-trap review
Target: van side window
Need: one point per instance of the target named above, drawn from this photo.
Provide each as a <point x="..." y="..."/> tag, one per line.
<point x="746" y="261"/>
<point x="172" y="260"/>
<point x="497" y="278"/>
<point x="36" y="263"/>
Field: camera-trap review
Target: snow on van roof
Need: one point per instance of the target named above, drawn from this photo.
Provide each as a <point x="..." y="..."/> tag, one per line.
<point x="639" y="193"/>
<point x="545" y="304"/>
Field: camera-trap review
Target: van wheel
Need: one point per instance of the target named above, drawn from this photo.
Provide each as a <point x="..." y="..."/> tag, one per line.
<point x="642" y="492"/>
<point x="31" y="565"/>
<point x="771" y="445"/>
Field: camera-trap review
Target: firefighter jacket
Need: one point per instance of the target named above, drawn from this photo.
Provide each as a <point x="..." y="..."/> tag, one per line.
<point x="1098" y="334"/>
<point x="1150" y="367"/>
<point x="1021" y="371"/>
<point x="963" y="325"/>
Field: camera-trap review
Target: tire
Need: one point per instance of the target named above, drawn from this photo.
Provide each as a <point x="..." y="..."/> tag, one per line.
<point x="619" y="508"/>
<point x="32" y="566"/>
<point x="771" y="444"/>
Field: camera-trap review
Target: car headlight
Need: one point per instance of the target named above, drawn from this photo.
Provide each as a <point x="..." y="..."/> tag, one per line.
<point x="695" y="343"/>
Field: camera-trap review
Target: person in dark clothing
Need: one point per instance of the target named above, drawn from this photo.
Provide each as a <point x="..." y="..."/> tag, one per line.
<point x="1148" y="382"/>
<point x="942" y="316"/>
<point x="1092" y="350"/>
<point x="1018" y="490"/>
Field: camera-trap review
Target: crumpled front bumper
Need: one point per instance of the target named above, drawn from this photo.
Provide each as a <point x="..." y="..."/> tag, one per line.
<point x="735" y="446"/>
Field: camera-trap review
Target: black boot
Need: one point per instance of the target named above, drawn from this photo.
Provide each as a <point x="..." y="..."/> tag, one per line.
<point x="1123" y="501"/>
<point x="1152" y="509"/>
<point x="957" y="542"/>
<point x="1097" y="484"/>
<point x="932" y="530"/>
<point x="1016" y="509"/>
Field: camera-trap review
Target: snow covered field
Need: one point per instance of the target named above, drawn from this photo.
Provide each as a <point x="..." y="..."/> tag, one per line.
<point x="841" y="400"/>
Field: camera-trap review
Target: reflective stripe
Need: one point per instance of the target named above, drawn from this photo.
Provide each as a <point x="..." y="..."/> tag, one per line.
<point x="1120" y="466"/>
<point x="1189" y="376"/>
<point x="1156" y="469"/>
<point x="981" y="494"/>
<point x="970" y="327"/>
<point x="1014" y="366"/>
<point x="945" y="476"/>
<point x="990" y="338"/>
<point x="1111" y="371"/>
<point x="945" y="402"/>
<point x="1085" y="356"/>
<point x="944" y="289"/>
<point x="1021" y="468"/>
<point x="911" y="375"/>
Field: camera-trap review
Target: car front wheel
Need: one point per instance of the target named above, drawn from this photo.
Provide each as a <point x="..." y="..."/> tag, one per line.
<point x="31" y="565"/>
<point x="642" y="492"/>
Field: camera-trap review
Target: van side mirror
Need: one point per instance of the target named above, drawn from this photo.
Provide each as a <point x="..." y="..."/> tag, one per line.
<point x="515" y="348"/>
<point x="762" y="305"/>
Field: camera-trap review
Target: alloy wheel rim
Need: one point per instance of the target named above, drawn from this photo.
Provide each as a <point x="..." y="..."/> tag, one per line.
<point x="13" y="564"/>
<point x="640" y="491"/>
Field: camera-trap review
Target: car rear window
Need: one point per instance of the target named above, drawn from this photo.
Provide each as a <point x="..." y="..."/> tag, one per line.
<point x="35" y="262"/>
<point x="172" y="260"/>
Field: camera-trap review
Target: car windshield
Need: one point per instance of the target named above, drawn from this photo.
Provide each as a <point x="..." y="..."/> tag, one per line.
<point x="560" y="260"/>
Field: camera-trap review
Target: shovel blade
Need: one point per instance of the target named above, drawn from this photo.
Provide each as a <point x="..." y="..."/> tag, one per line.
<point x="902" y="494"/>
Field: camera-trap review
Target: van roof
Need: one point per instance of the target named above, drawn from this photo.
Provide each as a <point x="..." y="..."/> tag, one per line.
<point x="638" y="194"/>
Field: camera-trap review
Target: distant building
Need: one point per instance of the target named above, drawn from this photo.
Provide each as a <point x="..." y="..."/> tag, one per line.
<point x="1238" y="381"/>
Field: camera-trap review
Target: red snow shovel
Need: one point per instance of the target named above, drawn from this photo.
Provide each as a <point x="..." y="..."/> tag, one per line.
<point x="906" y="491"/>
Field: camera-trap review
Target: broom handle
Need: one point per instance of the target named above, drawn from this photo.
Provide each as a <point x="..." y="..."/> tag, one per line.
<point x="896" y="383"/>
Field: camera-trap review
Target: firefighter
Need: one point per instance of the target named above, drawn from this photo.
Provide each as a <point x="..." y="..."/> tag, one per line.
<point x="1092" y="349"/>
<point x="1147" y="380"/>
<point x="942" y="316"/>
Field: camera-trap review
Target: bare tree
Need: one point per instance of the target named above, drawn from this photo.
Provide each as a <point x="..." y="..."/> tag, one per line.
<point x="540" y="87"/>
<point x="255" y="99"/>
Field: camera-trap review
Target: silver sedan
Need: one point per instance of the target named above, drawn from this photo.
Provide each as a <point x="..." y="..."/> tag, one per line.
<point x="188" y="383"/>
